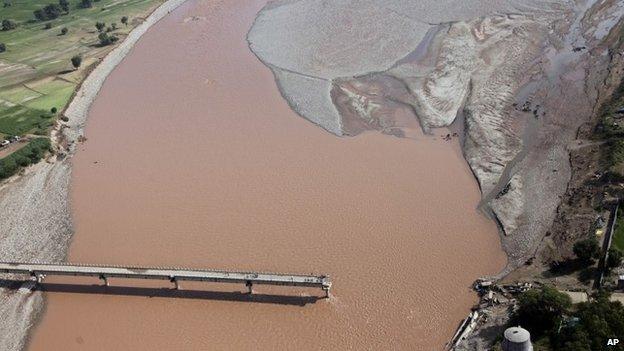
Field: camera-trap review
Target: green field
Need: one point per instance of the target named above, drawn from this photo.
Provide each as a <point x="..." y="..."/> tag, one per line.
<point x="35" y="70"/>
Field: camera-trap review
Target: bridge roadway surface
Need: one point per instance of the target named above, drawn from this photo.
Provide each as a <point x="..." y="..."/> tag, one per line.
<point x="40" y="270"/>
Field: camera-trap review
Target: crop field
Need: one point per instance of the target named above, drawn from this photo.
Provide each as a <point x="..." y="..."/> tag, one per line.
<point x="36" y="73"/>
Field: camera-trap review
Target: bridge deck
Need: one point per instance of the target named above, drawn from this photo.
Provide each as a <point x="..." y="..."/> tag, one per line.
<point x="40" y="270"/>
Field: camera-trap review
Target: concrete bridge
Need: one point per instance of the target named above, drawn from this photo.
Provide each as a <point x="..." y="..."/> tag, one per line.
<point x="38" y="271"/>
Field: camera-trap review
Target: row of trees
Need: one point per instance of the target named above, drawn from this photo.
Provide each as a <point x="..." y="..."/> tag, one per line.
<point x="52" y="11"/>
<point x="588" y="251"/>
<point x="549" y="314"/>
<point x="31" y="153"/>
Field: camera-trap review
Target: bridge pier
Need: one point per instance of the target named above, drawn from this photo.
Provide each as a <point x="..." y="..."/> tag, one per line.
<point x="176" y="283"/>
<point x="37" y="278"/>
<point x="249" y="286"/>
<point x="104" y="279"/>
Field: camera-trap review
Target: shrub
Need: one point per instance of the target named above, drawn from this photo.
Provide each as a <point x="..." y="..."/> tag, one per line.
<point x="53" y="110"/>
<point x="2" y="47"/>
<point x="76" y="61"/>
<point x="64" y="30"/>
<point x="22" y="160"/>
<point x="64" y="4"/>
<point x="8" y="167"/>
<point x="85" y="4"/>
<point x="52" y="11"/>
<point x="48" y="25"/>
<point x="49" y="12"/>
<point x="8" y="24"/>
<point x="100" y="26"/>
<point x="587" y="250"/>
<point x="106" y="39"/>
<point x="124" y="20"/>
<point x="40" y="15"/>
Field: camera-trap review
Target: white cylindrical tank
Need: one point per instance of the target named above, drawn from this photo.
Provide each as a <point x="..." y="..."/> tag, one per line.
<point x="517" y="339"/>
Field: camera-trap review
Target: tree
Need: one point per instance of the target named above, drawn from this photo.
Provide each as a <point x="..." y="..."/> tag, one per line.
<point x="85" y="4"/>
<point x="8" y="167"/>
<point x="49" y="12"/>
<point x="587" y="250"/>
<point x="64" y="30"/>
<point x="601" y="319"/>
<point x="76" y="61"/>
<point x="52" y="11"/>
<point x="2" y="47"/>
<point x="124" y="20"/>
<point x="106" y="39"/>
<point x="540" y="311"/>
<point x="40" y="15"/>
<point x="53" y="110"/>
<point x="100" y="26"/>
<point x="614" y="259"/>
<point x="8" y="24"/>
<point x="64" y="4"/>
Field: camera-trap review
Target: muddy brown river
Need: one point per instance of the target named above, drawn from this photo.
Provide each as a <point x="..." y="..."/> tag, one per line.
<point x="194" y="159"/>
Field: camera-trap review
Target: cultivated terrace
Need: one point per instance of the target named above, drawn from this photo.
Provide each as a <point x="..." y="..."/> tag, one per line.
<point x="47" y="48"/>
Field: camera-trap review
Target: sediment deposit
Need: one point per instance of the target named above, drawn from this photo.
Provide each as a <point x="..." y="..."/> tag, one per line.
<point x="34" y="226"/>
<point x="512" y="72"/>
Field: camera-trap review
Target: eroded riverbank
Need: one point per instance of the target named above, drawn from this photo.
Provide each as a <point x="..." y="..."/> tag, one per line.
<point x="210" y="168"/>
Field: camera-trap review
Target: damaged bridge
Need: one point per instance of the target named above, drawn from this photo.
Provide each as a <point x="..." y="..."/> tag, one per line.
<point x="38" y="271"/>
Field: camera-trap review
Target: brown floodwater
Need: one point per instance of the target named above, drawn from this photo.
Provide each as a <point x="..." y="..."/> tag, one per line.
<point x="194" y="159"/>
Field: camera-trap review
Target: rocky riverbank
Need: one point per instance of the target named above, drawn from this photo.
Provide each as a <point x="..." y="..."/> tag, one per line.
<point x="35" y="222"/>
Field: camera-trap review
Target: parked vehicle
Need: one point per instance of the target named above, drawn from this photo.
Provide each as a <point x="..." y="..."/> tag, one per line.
<point x="4" y="143"/>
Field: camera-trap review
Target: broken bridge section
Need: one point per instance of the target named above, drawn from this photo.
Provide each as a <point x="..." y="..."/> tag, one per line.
<point x="38" y="271"/>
